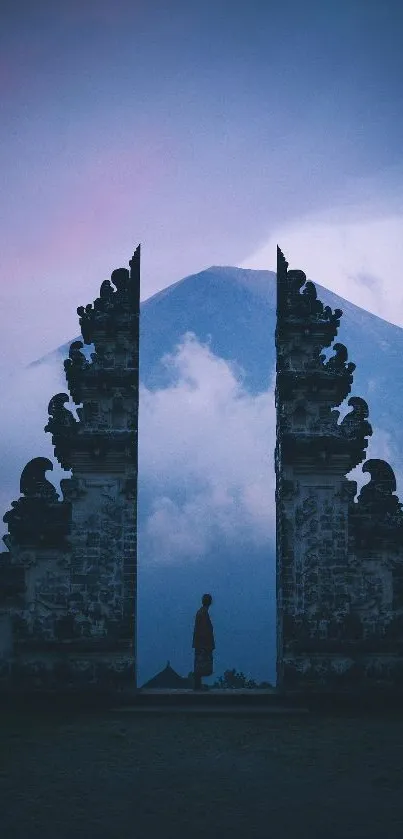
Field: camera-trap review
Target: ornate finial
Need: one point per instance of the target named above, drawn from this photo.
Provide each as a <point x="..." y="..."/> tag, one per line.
<point x="378" y="515"/>
<point x="33" y="481"/>
<point x="61" y="425"/>
<point x="382" y="476"/>
<point x="37" y="519"/>
<point x="120" y="278"/>
<point x="134" y="263"/>
<point x="282" y="264"/>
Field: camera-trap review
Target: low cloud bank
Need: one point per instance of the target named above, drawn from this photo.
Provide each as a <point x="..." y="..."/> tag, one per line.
<point x="206" y="503"/>
<point x="206" y="453"/>
<point x="208" y="441"/>
<point x="352" y="252"/>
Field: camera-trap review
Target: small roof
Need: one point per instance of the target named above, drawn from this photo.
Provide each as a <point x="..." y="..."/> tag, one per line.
<point x="166" y="679"/>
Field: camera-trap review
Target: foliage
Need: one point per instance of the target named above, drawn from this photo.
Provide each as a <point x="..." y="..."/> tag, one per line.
<point x="232" y="680"/>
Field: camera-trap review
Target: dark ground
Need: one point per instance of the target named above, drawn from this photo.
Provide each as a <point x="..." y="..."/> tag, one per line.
<point x="115" y="775"/>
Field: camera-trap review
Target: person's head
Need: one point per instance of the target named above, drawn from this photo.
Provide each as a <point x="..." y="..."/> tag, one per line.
<point x="207" y="600"/>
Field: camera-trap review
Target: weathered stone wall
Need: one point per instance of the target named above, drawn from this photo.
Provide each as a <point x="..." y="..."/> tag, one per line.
<point x="339" y="561"/>
<point x="68" y="583"/>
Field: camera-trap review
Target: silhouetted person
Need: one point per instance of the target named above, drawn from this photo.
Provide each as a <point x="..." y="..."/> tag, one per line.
<point x="203" y="642"/>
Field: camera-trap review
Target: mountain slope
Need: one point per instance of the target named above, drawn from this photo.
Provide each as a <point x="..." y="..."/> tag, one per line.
<point x="206" y="459"/>
<point x="234" y="309"/>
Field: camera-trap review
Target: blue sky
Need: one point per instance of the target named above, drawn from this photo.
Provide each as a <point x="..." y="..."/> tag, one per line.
<point x="205" y="131"/>
<point x="208" y="132"/>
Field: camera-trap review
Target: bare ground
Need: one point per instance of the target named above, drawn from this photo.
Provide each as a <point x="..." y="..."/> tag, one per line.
<point x="111" y="775"/>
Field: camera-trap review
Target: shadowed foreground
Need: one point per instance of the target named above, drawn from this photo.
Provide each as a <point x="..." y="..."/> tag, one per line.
<point x="111" y="775"/>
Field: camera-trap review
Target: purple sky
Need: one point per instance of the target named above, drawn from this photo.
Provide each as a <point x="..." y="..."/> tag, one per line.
<point x="208" y="132"/>
<point x="204" y="130"/>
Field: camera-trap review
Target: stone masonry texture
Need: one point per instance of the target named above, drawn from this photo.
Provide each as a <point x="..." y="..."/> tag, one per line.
<point x="68" y="579"/>
<point x="339" y="560"/>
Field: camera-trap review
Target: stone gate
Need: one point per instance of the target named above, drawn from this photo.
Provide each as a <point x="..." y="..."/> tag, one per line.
<point x="68" y="580"/>
<point x="339" y="560"/>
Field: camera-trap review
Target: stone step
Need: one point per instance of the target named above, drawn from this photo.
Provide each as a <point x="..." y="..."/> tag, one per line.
<point x="208" y="701"/>
<point x="207" y="696"/>
<point x="210" y="710"/>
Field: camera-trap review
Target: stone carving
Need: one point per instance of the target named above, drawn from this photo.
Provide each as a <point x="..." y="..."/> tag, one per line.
<point x="289" y="489"/>
<point x="62" y="426"/>
<point x="339" y="578"/>
<point x="73" y="488"/>
<point x="38" y="518"/>
<point x="294" y="305"/>
<point x="74" y="366"/>
<point x="356" y="428"/>
<point x="381" y="485"/>
<point x="33" y="483"/>
<point x="77" y="556"/>
<point x="338" y="362"/>
<point x="120" y="278"/>
<point x="76" y="357"/>
<point x="129" y="489"/>
<point x="296" y="281"/>
<point x="12" y="581"/>
<point x="355" y="423"/>
<point x="104" y="302"/>
<point x="378" y="514"/>
<point x="98" y="448"/>
<point x="102" y="316"/>
<point x="306" y="510"/>
<point x="314" y="306"/>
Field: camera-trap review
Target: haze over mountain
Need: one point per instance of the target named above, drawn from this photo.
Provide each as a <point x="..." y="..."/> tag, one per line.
<point x="206" y="443"/>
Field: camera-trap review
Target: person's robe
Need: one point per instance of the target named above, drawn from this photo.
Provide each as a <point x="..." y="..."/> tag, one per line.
<point x="203" y="635"/>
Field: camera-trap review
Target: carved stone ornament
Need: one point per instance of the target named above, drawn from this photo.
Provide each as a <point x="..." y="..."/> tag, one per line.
<point x="323" y="564"/>
<point x="38" y="518"/>
<point x="63" y="427"/>
<point x="111" y="308"/>
<point x="378" y="514"/>
<point x="74" y="367"/>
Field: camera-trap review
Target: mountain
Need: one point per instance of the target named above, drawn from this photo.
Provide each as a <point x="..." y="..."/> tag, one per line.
<point x="233" y="311"/>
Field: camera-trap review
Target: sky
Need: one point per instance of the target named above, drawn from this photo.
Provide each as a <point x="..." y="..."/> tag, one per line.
<point x="224" y="475"/>
<point x="206" y="503"/>
<point x="204" y="433"/>
<point x="207" y="132"/>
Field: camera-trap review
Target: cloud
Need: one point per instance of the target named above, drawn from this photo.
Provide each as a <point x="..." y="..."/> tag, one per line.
<point x="207" y="457"/>
<point x="208" y="441"/>
<point x="355" y="254"/>
<point x="368" y="280"/>
<point x="206" y="454"/>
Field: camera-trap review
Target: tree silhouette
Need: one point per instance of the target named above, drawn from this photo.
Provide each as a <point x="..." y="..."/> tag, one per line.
<point x="233" y="680"/>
